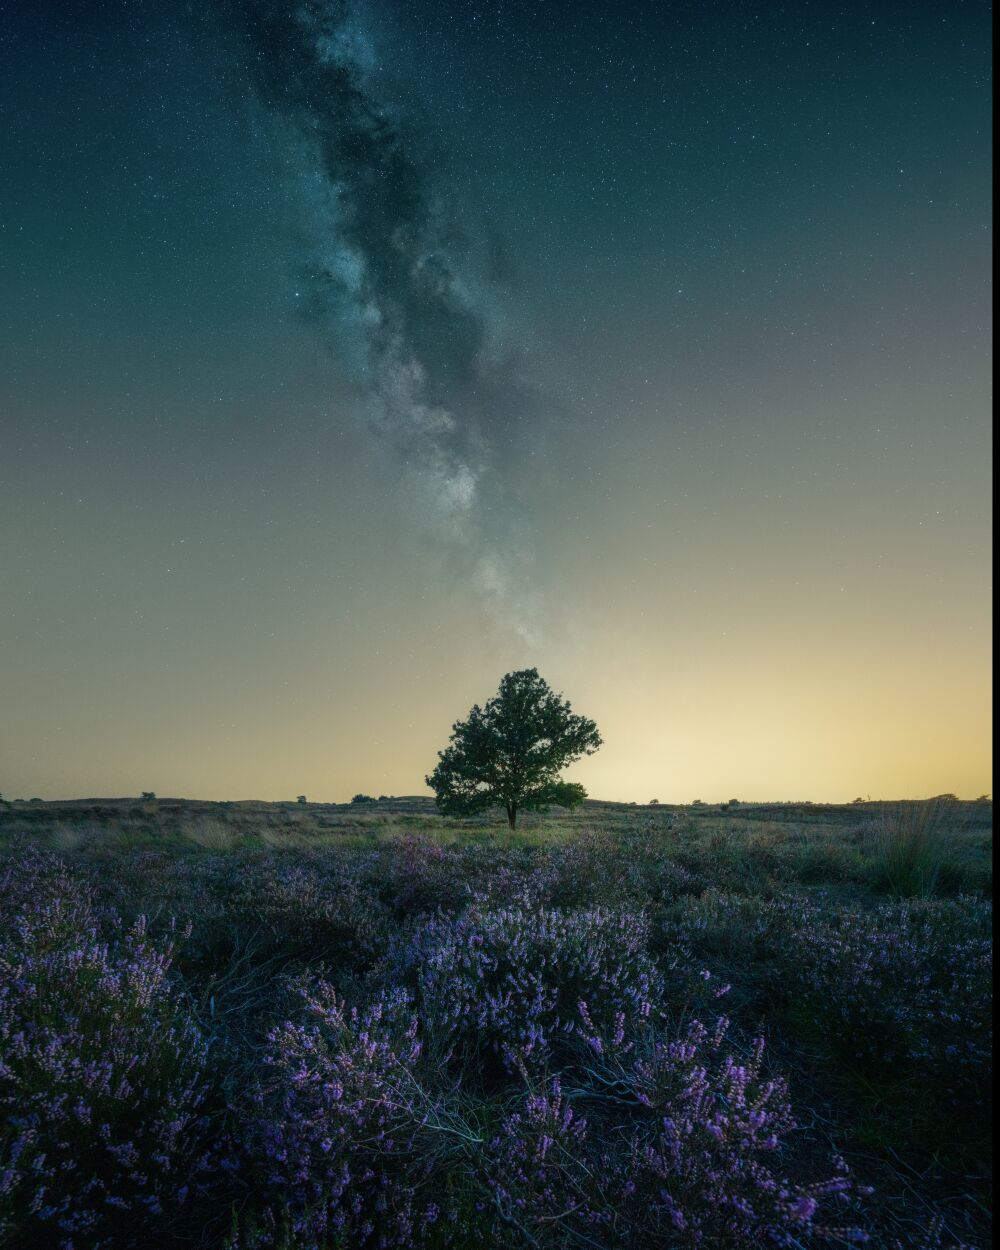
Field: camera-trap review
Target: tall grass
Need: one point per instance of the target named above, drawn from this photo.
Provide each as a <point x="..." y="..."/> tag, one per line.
<point x="912" y="846"/>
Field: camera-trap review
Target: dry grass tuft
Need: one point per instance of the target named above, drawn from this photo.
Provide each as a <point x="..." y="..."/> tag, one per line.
<point x="911" y="846"/>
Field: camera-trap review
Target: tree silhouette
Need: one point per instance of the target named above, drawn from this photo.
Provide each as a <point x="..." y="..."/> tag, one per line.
<point x="510" y="752"/>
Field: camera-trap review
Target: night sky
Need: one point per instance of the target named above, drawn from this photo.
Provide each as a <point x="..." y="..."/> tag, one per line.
<point x="354" y="356"/>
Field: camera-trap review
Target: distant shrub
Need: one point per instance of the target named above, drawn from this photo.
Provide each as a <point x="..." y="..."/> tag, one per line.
<point x="362" y="798"/>
<point x="147" y="794"/>
<point x="818" y="861"/>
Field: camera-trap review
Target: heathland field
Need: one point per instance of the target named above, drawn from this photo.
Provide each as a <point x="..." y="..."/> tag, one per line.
<point x="249" y="1025"/>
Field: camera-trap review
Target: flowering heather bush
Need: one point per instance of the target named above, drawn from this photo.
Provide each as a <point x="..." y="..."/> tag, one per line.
<point x="708" y="1175"/>
<point x="508" y="981"/>
<point x="336" y="1124"/>
<point x="599" y="868"/>
<point x="594" y="868"/>
<point x="538" y="1171"/>
<point x="749" y="932"/>
<point x="530" y="1063"/>
<point x="702" y="1133"/>
<point x="902" y="990"/>
<point x="326" y="910"/>
<point x="415" y="874"/>
<point x="42" y="905"/>
<point x="909" y="986"/>
<point x="101" y="1074"/>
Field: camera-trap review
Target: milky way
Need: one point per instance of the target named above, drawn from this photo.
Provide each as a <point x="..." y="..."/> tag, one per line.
<point x="393" y="285"/>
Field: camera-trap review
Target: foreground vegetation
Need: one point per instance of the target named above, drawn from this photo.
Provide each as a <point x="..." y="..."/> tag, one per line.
<point x="247" y="1026"/>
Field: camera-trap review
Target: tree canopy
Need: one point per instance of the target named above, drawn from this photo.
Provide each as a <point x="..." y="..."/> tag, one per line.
<point x="510" y="752"/>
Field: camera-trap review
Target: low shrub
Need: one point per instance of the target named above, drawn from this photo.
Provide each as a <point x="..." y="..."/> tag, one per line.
<point x="511" y="1045"/>
<point x="703" y="1133"/>
<point x="337" y="1123"/>
<point x="102" y="1075"/>
<point x="901" y="992"/>
<point x="508" y="981"/>
<point x="321" y="910"/>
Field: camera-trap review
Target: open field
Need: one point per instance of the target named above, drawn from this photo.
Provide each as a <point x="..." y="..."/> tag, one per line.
<point x="234" y="1025"/>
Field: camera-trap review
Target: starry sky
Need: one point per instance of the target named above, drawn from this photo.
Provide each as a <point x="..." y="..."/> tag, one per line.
<point x="353" y="355"/>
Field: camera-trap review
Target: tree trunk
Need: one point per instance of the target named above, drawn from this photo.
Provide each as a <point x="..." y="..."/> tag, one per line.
<point x="511" y="814"/>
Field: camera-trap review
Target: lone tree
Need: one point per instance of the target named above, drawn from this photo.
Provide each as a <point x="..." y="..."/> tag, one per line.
<point x="510" y="752"/>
